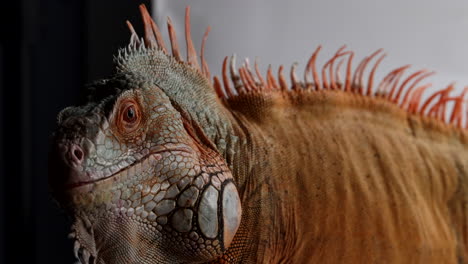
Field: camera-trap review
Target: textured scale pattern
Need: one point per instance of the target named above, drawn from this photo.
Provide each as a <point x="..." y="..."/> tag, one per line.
<point x="163" y="164"/>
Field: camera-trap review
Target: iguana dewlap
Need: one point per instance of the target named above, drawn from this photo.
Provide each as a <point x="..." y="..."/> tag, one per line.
<point x="162" y="165"/>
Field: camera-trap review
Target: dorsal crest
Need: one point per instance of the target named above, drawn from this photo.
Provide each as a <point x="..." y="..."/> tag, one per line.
<point x="405" y="92"/>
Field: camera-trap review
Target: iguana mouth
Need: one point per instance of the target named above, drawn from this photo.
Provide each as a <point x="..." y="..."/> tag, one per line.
<point x="77" y="178"/>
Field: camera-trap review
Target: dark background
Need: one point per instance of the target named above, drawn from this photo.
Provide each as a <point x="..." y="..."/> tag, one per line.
<point x="48" y="50"/>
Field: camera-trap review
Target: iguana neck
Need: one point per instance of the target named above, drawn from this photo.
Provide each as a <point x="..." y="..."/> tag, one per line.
<point x="247" y="150"/>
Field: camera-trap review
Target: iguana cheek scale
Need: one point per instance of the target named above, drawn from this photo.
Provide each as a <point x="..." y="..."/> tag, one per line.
<point x="162" y="165"/>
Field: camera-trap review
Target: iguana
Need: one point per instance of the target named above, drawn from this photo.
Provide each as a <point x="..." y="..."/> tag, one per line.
<point x="162" y="164"/>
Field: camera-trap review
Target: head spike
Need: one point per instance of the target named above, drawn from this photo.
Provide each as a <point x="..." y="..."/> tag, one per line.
<point x="248" y="71"/>
<point x="415" y="99"/>
<point x="227" y="86"/>
<point x="395" y="83"/>
<point x="356" y="75"/>
<point x="361" y="74"/>
<point x="333" y="83"/>
<point x="247" y="67"/>
<point x="458" y="108"/>
<point x="141" y="47"/>
<point x="191" y="52"/>
<point x="173" y="38"/>
<point x="384" y="83"/>
<point x="393" y="77"/>
<point x="371" y="76"/>
<point x="153" y="37"/>
<point x="338" y="68"/>
<point x="149" y="38"/>
<point x="247" y="63"/>
<point x="422" y="77"/>
<point x="259" y="75"/>
<point x="281" y="79"/>
<point x="426" y="104"/>
<point x="271" y="79"/>
<point x="205" y="68"/>
<point x="348" y="72"/>
<point x="134" y="39"/>
<point x="249" y="79"/>
<point x="311" y="67"/>
<point x="159" y="38"/>
<point x="243" y="78"/>
<point x="234" y="75"/>
<point x="438" y="109"/>
<point x="294" y="79"/>
<point x="330" y="64"/>
<point x="405" y="82"/>
<point x="443" y="104"/>
<point x="219" y="88"/>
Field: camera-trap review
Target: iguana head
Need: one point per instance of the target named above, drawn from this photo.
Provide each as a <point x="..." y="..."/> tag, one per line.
<point x="139" y="165"/>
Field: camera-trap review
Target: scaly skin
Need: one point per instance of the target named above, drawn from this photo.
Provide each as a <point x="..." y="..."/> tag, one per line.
<point x="145" y="188"/>
<point x="155" y="165"/>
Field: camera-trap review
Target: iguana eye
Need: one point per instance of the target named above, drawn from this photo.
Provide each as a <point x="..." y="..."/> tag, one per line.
<point x="130" y="116"/>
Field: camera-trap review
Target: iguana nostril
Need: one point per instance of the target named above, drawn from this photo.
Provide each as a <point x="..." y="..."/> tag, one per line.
<point x="77" y="154"/>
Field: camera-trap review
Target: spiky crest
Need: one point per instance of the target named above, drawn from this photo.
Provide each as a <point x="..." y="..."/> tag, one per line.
<point x="406" y="94"/>
<point x="234" y="81"/>
<point x="153" y="40"/>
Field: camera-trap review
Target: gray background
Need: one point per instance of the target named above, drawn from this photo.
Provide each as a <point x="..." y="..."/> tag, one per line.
<point x="426" y="34"/>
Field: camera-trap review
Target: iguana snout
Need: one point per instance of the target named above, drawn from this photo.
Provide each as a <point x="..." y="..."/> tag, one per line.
<point x="73" y="157"/>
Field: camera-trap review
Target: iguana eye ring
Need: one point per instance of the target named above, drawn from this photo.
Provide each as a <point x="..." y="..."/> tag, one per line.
<point x="129" y="116"/>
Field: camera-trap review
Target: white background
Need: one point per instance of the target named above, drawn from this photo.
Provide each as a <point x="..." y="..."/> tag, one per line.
<point x="429" y="34"/>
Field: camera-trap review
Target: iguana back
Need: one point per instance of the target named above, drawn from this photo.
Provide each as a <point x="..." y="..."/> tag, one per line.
<point x="157" y="164"/>
<point x="344" y="178"/>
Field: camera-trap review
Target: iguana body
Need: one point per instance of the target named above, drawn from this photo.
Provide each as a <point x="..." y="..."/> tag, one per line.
<point x="366" y="182"/>
<point x="155" y="167"/>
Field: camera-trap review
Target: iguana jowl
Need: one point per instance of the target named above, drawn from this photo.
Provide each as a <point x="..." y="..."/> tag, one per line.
<point x="155" y="166"/>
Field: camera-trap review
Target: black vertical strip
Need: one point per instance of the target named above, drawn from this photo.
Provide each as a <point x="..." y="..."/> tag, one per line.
<point x="2" y="165"/>
<point x="29" y="15"/>
<point x="58" y="65"/>
<point x="13" y="173"/>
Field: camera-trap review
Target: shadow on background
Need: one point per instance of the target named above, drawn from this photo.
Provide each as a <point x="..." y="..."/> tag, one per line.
<point x="48" y="50"/>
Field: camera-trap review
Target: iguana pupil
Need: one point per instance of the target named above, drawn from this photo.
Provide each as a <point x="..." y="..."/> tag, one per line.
<point x="130" y="114"/>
